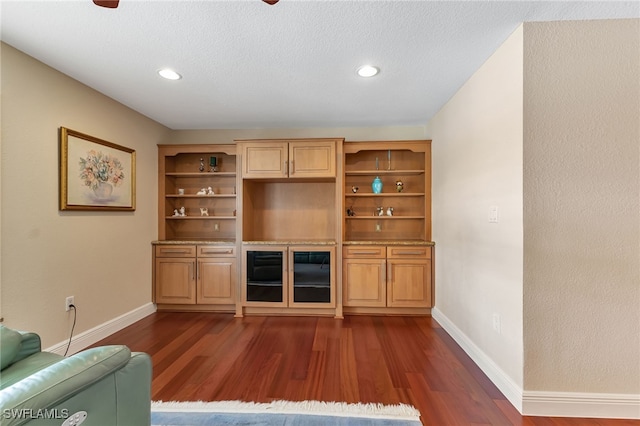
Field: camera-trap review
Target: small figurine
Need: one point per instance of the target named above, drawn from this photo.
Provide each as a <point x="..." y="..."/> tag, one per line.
<point x="213" y="164"/>
<point x="203" y="191"/>
<point x="210" y="191"/>
<point x="201" y="168"/>
<point x="380" y="211"/>
<point x="204" y="211"/>
<point x="390" y="211"/>
<point x="176" y="213"/>
<point x="399" y="186"/>
<point x="350" y="211"/>
<point x="182" y="211"/>
<point x="354" y="189"/>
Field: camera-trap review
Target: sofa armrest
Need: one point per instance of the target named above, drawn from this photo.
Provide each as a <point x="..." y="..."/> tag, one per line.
<point x="60" y="381"/>
<point x="30" y="345"/>
<point x="134" y="398"/>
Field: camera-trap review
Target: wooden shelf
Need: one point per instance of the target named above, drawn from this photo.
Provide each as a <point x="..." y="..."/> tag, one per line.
<point x="200" y="217"/>
<point x="201" y="174"/>
<point x="382" y="217"/>
<point x="200" y="196"/>
<point x="385" y="194"/>
<point x="382" y="172"/>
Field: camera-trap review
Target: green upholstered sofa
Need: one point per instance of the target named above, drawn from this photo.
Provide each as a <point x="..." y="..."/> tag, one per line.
<point x="106" y="385"/>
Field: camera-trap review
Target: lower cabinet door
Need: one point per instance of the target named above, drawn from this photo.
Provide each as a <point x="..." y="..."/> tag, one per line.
<point x="409" y="283"/>
<point x="311" y="277"/>
<point x="364" y="282"/>
<point x="217" y="281"/>
<point x="175" y="281"/>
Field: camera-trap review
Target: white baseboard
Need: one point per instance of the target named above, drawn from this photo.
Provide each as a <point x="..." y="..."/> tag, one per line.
<point x="574" y="404"/>
<point x="507" y="386"/>
<point x="541" y="403"/>
<point x="89" y="337"/>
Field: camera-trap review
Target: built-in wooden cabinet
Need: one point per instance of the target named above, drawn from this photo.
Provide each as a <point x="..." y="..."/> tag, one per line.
<point x="402" y="210"/>
<point x="387" y="252"/>
<point x="216" y="274"/>
<point x="289" y="276"/>
<point x="364" y="276"/>
<point x="294" y="226"/>
<point x="409" y="277"/>
<point x="289" y="194"/>
<point x="397" y="276"/>
<point x="207" y="194"/>
<point x="186" y="274"/>
<point x="269" y="159"/>
<point x="175" y="274"/>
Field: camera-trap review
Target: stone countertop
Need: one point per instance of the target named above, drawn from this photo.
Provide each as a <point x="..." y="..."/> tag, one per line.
<point x="195" y="242"/>
<point x="295" y="243"/>
<point x="292" y="243"/>
<point x="389" y="243"/>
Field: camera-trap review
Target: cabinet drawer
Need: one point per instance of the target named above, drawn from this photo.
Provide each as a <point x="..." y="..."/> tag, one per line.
<point x="408" y="252"/>
<point x="216" y="251"/>
<point x="175" y="251"/>
<point x="363" y="252"/>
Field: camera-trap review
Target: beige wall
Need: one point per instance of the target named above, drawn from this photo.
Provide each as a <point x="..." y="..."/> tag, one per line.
<point x="477" y="163"/>
<point x="548" y="130"/>
<point x="581" y="206"/>
<point x="103" y="259"/>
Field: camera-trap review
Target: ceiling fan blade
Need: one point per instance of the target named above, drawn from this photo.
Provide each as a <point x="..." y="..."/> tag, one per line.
<point x="111" y="4"/>
<point x="271" y="2"/>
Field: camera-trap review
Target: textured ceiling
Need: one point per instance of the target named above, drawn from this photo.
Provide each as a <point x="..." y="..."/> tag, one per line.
<point x="246" y="64"/>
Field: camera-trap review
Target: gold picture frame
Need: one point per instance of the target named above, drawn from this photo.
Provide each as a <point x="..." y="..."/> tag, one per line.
<point x="95" y="174"/>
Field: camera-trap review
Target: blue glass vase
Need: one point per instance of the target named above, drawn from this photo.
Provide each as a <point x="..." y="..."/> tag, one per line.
<point x="376" y="185"/>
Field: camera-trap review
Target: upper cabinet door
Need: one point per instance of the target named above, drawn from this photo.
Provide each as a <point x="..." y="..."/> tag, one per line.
<point x="282" y="159"/>
<point x="312" y="159"/>
<point x="265" y="160"/>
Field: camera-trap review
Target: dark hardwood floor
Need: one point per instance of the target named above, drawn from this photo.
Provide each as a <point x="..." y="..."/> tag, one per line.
<point x="389" y="360"/>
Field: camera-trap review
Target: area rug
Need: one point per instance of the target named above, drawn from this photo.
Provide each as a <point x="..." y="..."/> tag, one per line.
<point x="281" y="413"/>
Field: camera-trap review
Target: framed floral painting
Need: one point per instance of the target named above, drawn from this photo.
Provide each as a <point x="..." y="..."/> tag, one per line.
<point x="95" y="174"/>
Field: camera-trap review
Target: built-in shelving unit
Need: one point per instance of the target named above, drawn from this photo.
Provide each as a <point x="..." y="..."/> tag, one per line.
<point x="392" y="162"/>
<point x="387" y="253"/>
<point x="289" y="191"/>
<point x="186" y="170"/>
<point x="295" y="227"/>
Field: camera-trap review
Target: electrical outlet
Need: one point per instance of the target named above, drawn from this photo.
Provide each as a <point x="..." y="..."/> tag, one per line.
<point x="493" y="214"/>
<point x="68" y="302"/>
<point x="496" y="323"/>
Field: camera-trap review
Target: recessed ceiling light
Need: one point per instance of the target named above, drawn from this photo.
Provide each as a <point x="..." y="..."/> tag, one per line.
<point x="368" y="71"/>
<point x="169" y="74"/>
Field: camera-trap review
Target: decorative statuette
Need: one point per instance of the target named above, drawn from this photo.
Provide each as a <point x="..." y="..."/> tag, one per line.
<point x="203" y="191"/>
<point x="350" y="211"/>
<point x="399" y="186"/>
<point x="376" y="185"/>
<point x="204" y="211"/>
<point x="213" y="164"/>
<point x="380" y="211"/>
<point x="389" y="211"/>
<point x="201" y="168"/>
<point x="182" y="211"/>
<point x="354" y="189"/>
